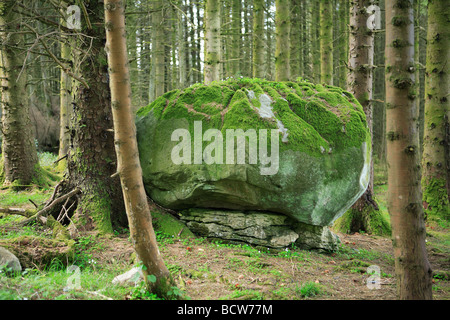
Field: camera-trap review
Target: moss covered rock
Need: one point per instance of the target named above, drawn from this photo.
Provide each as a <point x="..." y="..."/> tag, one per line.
<point x="315" y="165"/>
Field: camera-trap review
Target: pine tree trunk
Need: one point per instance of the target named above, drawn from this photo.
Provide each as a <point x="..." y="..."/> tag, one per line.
<point x="91" y="159"/>
<point x="436" y="141"/>
<point x="282" y="33"/>
<point x="235" y="45"/>
<point x="198" y="51"/>
<point x="412" y="268"/>
<point x="181" y="47"/>
<point x="343" y="41"/>
<point x="128" y="166"/>
<point x="270" y="35"/>
<point x="315" y="26"/>
<point x="19" y="155"/>
<point x="326" y="42"/>
<point x="158" y="57"/>
<point x="65" y="104"/>
<point x="212" y="41"/>
<point x="258" y="39"/>
<point x="364" y="214"/>
<point x="295" y="36"/>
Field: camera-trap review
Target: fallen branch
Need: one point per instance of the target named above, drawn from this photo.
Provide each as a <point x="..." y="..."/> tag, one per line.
<point x="50" y="206"/>
<point x="21" y="212"/>
<point x="53" y="195"/>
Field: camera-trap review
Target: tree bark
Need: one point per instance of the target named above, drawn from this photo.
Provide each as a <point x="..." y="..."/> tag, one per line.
<point x="212" y="41"/>
<point x="65" y="104"/>
<point x="181" y="47"/>
<point x="258" y="39"/>
<point x="128" y="165"/>
<point x="282" y="33"/>
<point x="19" y="155"/>
<point x="158" y="60"/>
<point x="412" y="268"/>
<point x="436" y="141"/>
<point x="235" y="45"/>
<point x="91" y="159"/>
<point x="295" y="36"/>
<point x="326" y="42"/>
<point x="344" y="40"/>
<point x="360" y="83"/>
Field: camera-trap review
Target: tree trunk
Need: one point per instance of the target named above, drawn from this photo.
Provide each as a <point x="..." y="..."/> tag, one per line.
<point x="91" y="159"/>
<point x="158" y="60"/>
<point x="65" y="104"/>
<point x="364" y="215"/>
<point x="128" y="166"/>
<point x="212" y="41"/>
<point x="282" y="32"/>
<point x="19" y="155"/>
<point x="235" y="45"/>
<point x="270" y="60"/>
<point x="404" y="195"/>
<point x="344" y="41"/>
<point x="436" y="141"/>
<point x="326" y="42"/>
<point x="181" y="47"/>
<point x="295" y="36"/>
<point x="315" y="26"/>
<point x="258" y="39"/>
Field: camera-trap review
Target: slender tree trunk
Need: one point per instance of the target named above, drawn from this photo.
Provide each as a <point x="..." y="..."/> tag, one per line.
<point x="235" y="45"/>
<point x="198" y="51"/>
<point x="270" y="36"/>
<point x="19" y="153"/>
<point x="343" y="41"/>
<point x="315" y="25"/>
<point x="326" y="41"/>
<point x="282" y="31"/>
<point x="212" y="41"/>
<point x="193" y="48"/>
<point x="258" y="39"/>
<point x="65" y="104"/>
<point x="404" y="195"/>
<point x="128" y="166"/>
<point x="436" y="141"/>
<point x="181" y="47"/>
<point x="295" y="35"/>
<point x="158" y="57"/>
<point x="247" y="43"/>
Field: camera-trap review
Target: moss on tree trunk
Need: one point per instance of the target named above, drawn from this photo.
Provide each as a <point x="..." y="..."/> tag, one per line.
<point x="19" y="156"/>
<point x="436" y="141"/>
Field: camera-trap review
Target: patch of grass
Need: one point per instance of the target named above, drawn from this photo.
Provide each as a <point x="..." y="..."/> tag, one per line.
<point x="245" y="294"/>
<point x="349" y="253"/>
<point x="84" y="248"/>
<point x="53" y="284"/>
<point x="11" y="198"/>
<point x="311" y="289"/>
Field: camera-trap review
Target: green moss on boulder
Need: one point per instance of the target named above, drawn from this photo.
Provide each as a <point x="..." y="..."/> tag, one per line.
<point x="324" y="148"/>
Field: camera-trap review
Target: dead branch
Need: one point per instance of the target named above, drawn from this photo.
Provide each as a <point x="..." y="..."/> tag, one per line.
<point x="50" y="206"/>
<point x="18" y="211"/>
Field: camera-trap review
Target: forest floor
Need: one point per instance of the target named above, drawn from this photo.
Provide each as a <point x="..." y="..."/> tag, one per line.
<point x="213" y="270"/>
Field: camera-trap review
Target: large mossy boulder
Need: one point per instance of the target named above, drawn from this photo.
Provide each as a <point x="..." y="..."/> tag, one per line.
<point x="320" y="168"/>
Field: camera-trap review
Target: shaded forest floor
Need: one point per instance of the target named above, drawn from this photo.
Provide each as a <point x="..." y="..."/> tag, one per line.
<point x="213" y="270"/>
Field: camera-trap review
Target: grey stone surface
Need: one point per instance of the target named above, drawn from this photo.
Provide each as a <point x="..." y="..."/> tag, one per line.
<point x="258" y="228"/>
<point x="9" y="260"/>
